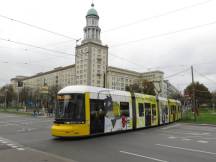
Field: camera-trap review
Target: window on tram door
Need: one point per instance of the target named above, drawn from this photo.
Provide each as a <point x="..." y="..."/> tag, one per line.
<point x="124" y="109"/>
<point x="141" y="110"/>
<point x="96" y="107"/>
<point x="147" y="114"/>
<point x="153" y="109"/>
<point x="174" y="109"/>
<point x="171" y="110"/>
<point x="147" y="108"/>
<point x="166" y="109"/>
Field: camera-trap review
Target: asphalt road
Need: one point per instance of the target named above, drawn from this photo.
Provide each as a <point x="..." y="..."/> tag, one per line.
<point x="24" y="138"/>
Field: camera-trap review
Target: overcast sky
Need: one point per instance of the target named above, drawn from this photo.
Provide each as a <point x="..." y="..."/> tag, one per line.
<point x="168" y="35"/>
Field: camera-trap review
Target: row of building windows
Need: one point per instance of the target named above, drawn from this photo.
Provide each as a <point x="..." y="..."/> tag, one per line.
<point x="122" y="79"/>
<point x="81" y="71"/>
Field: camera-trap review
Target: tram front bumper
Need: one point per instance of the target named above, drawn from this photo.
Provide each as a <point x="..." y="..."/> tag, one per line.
<point x="69" y="130"/>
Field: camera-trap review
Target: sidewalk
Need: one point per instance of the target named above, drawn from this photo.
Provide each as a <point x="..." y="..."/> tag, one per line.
<point x="22" y="112"/>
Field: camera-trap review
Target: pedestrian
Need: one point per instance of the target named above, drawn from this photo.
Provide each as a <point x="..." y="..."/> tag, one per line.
<point x="34" y="112"/>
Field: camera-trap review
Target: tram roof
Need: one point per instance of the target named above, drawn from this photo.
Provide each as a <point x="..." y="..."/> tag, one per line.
<point x="162" y="99"/>
<point x="91" y="89"/>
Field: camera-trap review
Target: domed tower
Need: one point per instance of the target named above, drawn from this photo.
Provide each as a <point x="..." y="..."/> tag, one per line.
<point x="91" y="58"/>
<point x="92" y="30"/>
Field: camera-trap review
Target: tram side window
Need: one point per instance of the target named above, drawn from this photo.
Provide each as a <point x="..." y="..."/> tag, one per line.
<point x="153" y="109"/>
<point x="124" y="108"/>
<point x="141" y="110"/>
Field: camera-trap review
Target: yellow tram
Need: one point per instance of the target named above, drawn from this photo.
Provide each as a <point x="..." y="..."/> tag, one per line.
<point x="87" y="110"/>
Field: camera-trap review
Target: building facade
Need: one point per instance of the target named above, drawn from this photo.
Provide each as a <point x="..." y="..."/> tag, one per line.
<point x="60" y="76"/>
<point x="91" y="66"/>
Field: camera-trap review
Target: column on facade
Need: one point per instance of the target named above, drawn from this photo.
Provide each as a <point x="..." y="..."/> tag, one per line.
<point x="93" y="35"/>
<point x="96" y="34"/>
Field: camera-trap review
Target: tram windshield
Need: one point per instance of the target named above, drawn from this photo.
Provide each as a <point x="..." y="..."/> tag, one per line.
<point x="70" y="108"/>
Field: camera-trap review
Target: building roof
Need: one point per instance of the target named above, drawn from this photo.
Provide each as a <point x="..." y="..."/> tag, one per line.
<point x="51" y="71"/>
<point x="92" y="11"/>
<point x="116" y="69"/>
<point x="18" y="78"/>
<point x="155" y="71"/>
<point x="111" y="68"/>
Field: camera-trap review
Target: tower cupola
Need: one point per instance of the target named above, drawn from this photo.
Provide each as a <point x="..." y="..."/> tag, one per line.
<point x="92" y="30"/>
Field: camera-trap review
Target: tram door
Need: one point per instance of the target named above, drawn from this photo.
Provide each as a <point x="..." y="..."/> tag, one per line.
<point x="174" y="113"/>
<point x="147" y="114"/>
<point x="96" y="116"/>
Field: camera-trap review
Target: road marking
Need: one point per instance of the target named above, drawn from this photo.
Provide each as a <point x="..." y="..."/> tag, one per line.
<point x="197" y="133"/>
<point x="51" y="155"/>
<point x="3" y="117"/>
<point x="201" y="141"/>
<point x="4" y="142"/>
<point x="21" y="130"/>
<point x="11" y="144"/>
<point x="187" y="149"/>
<point x="30" y="129"/>
<point x="171" y="126"/>
<point x="186" y="139"/>
<point x="24" y="122"/>
<point x="20" y="149"/>
<point x="147" y="157"/>
<point x="26" y="130"/>
<point x="172" y="137"/>
<point x="210" y="138"/>
<point x="14" y="146"/>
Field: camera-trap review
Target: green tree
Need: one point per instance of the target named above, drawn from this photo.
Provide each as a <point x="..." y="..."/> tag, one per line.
<point x="176" y="95"/>
<point x="52" y="92"/>
<point x="214" y="97"/>
<point x="25" y="94"/>
<point x="8" y="95"/>
<point x="202" y="94"/>
<point x="146" y="87"/>
<point x="134" y="88"/>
